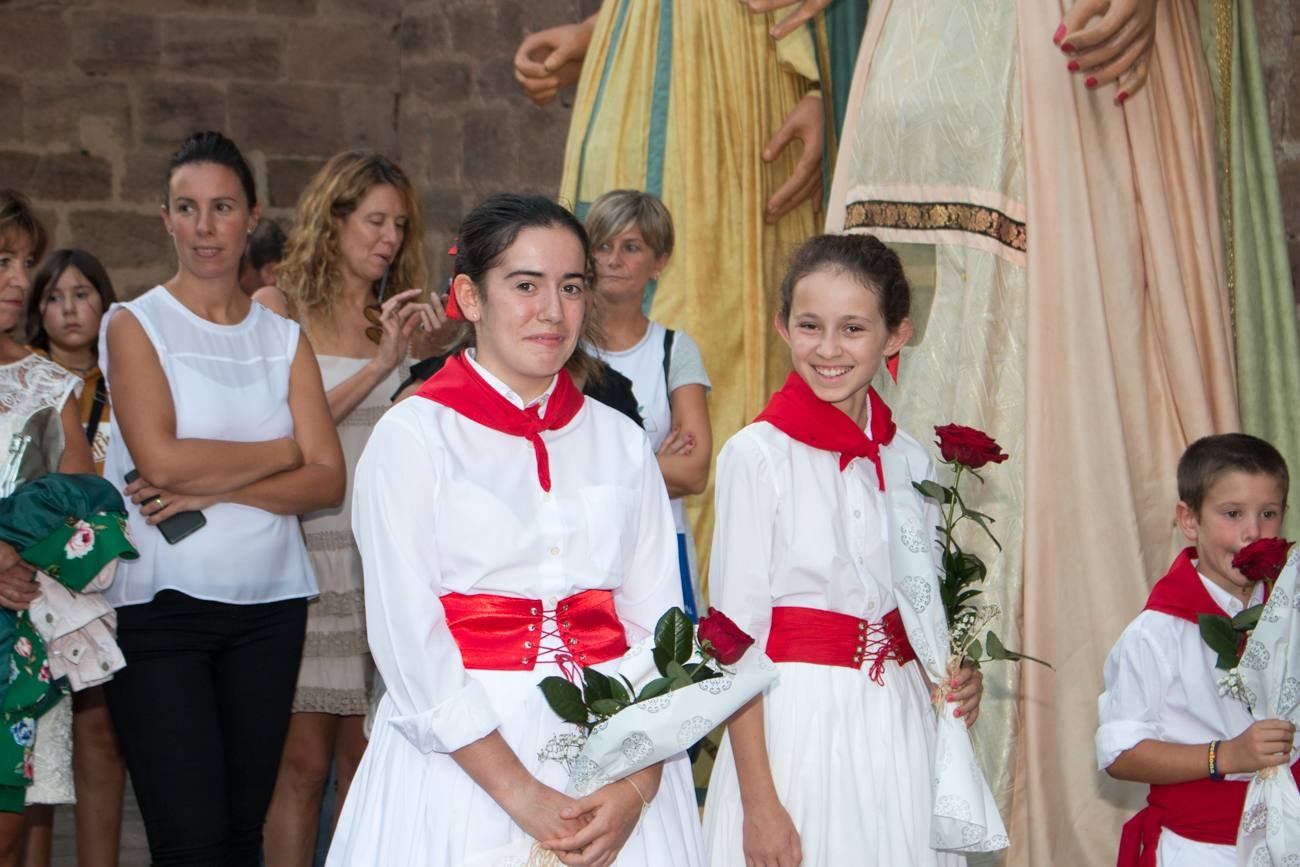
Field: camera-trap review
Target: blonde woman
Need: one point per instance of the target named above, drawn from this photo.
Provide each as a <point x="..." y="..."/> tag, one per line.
<point x="352" y="276"/>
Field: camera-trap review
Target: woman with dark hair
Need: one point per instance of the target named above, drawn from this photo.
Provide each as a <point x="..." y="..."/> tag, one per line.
<point x="221" y="435"/>
<point x="40" y="432"/>
<point x="355" y="252"/>
<point x="551" y="515"/>
<point x="70" y="293"/>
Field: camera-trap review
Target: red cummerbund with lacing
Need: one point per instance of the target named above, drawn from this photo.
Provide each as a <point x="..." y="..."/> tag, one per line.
<point x="504" y="633"/>
<point x="830" y="638"/>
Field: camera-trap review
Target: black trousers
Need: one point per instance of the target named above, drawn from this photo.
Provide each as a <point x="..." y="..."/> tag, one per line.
<point x="202" y="710"/>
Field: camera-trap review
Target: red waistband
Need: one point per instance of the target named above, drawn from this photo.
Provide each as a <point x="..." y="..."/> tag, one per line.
<point x="1207" y="811"/>
<point x="504" y="633"/>
<point x="830" y="638"/>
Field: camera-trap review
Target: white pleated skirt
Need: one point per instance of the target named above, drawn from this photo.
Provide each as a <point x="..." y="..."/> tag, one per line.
<point x="406" y="807"/>
<point x="851" y="761"/>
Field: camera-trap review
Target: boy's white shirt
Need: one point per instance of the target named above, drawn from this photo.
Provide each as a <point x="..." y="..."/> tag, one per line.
<point x="1161" y="684"/>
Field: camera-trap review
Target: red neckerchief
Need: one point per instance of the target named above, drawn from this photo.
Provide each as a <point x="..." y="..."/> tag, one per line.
<point x="458" y="386"/>
<point x="806" y="418"/>
<point x="1182" y="593"/>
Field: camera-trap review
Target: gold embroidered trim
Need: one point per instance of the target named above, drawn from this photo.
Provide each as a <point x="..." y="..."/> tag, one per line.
<point x="960" y="216"/>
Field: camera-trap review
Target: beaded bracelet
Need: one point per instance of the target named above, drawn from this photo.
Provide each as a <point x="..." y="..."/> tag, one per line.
<point x="1214" y="763"/>
<point x="645" y="805"/>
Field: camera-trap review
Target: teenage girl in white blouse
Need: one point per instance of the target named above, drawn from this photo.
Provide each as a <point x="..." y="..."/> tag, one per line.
<point x="507" y="526"/>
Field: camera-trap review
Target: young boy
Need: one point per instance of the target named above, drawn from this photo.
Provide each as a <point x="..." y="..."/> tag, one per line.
<point x="1162" y="720"/>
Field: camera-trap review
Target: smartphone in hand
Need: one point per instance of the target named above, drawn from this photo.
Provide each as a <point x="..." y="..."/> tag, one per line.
<point x="179" y="525"/>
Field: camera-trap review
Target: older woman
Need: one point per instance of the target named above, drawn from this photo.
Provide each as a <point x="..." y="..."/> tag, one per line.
<point x="632" y="240"/>
<point x="40" y="432"/>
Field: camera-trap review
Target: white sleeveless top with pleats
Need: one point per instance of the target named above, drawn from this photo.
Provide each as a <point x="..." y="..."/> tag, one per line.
<point x="228" y="382"/>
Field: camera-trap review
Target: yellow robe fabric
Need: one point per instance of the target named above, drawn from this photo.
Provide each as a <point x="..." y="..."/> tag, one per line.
<point x="679" y="99"/>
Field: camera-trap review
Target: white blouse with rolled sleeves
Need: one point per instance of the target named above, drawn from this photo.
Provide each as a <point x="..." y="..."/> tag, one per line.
<point x="820" y="535"/>
<point x="443" y="504"/>
<point x="1161" y="684"/>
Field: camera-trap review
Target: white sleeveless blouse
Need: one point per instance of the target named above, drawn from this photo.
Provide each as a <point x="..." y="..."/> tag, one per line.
<point x="228" y="382"/>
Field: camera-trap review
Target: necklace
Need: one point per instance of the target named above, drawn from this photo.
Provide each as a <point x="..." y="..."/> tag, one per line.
<point x="81" y="371"/>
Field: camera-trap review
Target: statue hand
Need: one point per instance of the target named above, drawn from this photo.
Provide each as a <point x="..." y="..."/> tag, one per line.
<point x="1114" y="48"/>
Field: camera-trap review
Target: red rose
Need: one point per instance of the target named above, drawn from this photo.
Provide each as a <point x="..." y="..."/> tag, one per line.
<point x="969" y="447"/>
<point x="1262" y="559"/>
<point x="721" y="637"/>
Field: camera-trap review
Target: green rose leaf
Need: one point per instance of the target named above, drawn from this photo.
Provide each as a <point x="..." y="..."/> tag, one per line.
<point x="994" y="646"/>
<point x="662" y="658"/>
<point x="1217" y="631"/>
<point x="658" y="686"/>
<point x="934" y="490"/>
<point x="565" y="699"/>
<point x="1248" y="618"/>
<point x="704" y="673"/>
<point x="975" y="651"/>
<point x="618" y="693"/>
<point x="598" y="685"/>
<point x="606" y="707"/>
<point x="675" y="636"/>
<point x="678" y="675"/>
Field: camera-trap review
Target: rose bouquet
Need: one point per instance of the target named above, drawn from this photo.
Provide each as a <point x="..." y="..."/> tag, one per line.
<point x="670" y="691"/>
<point x="966" y="450"/>
<point x="1261" y="560"/>
<point x="1266" y="676"/>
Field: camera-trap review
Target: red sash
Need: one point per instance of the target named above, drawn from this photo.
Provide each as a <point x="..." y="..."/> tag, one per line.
<point x="829" y="638"/>
<point x="1207" y="811"/>
<point x="504" y="633"/>
<point x="804" y="417"/>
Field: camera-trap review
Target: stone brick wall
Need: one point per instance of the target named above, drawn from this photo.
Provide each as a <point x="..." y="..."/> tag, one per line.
<point x="95" y="93"/>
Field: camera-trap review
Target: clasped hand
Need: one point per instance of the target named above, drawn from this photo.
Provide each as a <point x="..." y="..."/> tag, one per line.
<point x="585" y="832"/>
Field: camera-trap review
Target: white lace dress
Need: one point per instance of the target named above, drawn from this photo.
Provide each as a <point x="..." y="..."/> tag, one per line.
<point x="337" y="674"/>
<point x="32" y="394"/>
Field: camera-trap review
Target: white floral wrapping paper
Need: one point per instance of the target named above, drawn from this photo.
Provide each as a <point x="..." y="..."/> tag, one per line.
<point x="964" y="816"/>
<point x="1270" y="673"/>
